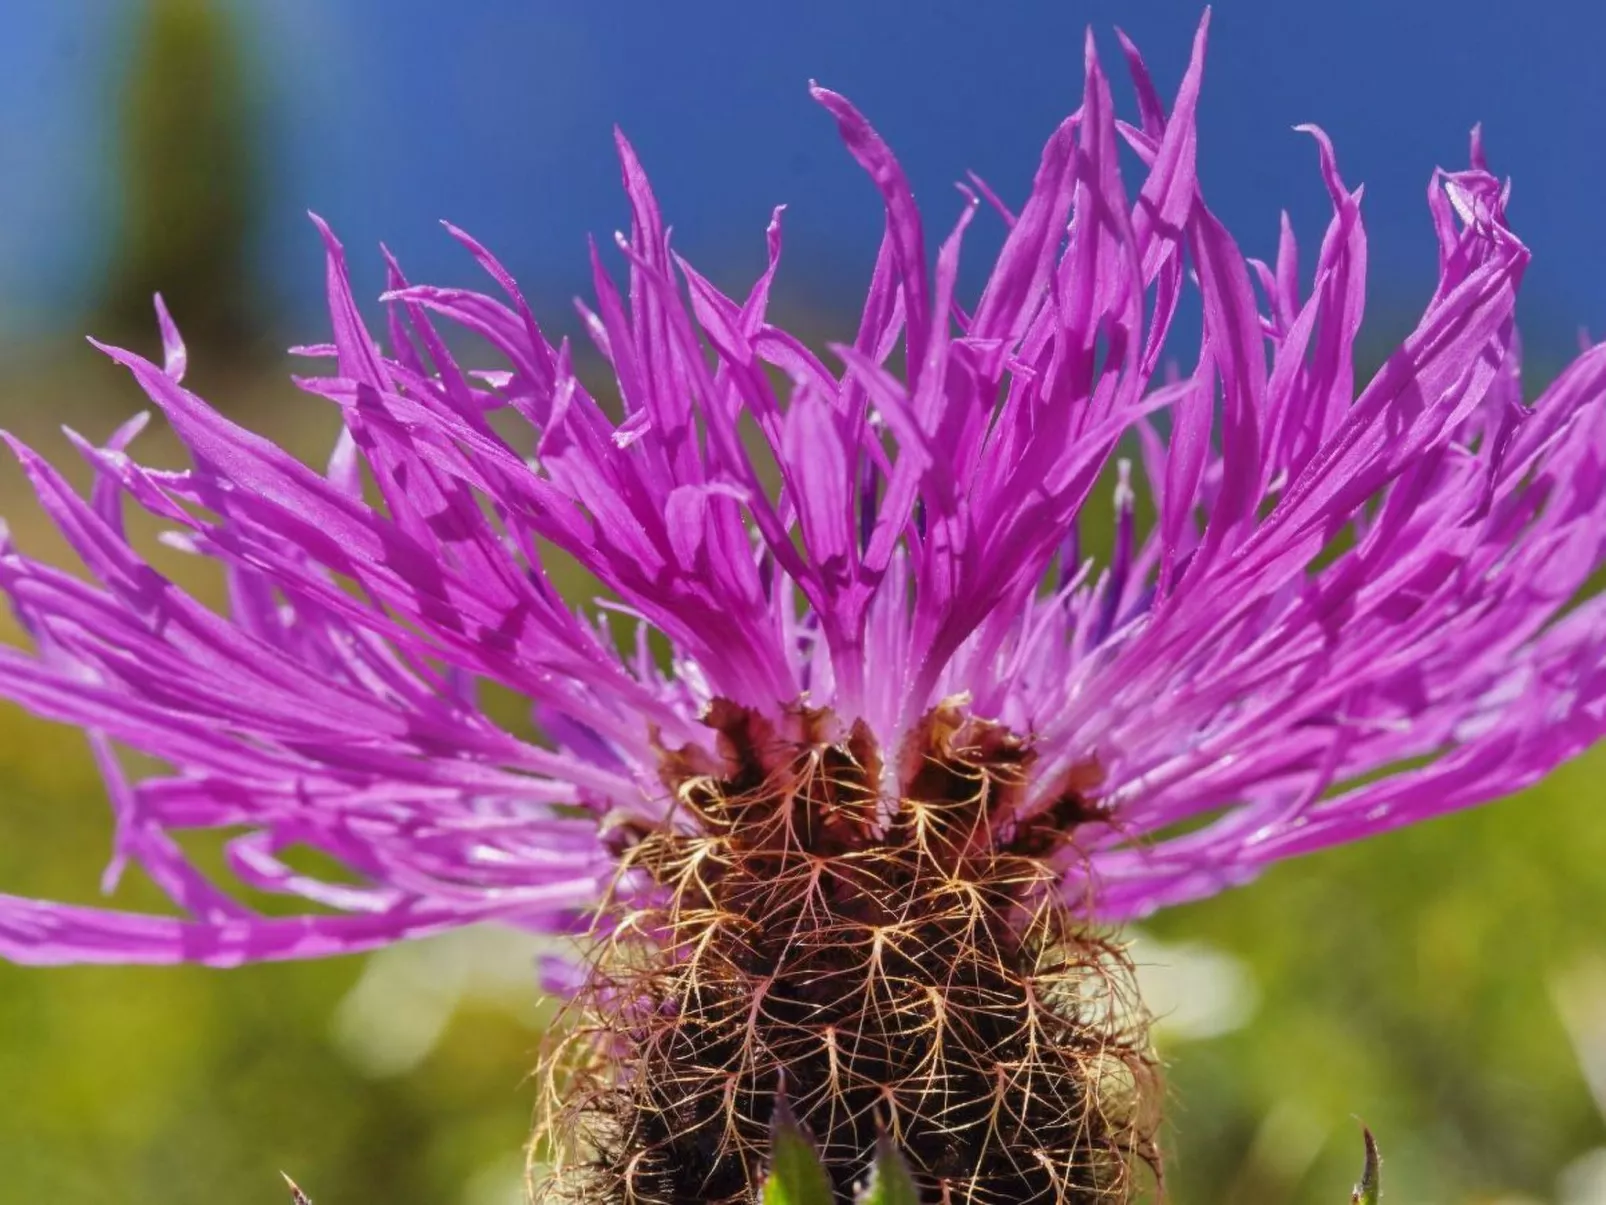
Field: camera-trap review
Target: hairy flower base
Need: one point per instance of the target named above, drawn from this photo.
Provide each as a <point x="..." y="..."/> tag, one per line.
<point x="896" y="960"/>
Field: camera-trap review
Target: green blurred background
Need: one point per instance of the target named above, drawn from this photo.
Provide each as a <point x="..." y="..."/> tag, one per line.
<point x="1447" y="983"/>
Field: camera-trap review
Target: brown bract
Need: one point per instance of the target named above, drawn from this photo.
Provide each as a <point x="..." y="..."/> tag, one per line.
<point x="896" y="956"/>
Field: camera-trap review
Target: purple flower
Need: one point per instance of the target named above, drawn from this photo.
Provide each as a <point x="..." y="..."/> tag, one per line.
<point x="1352" y="610"/>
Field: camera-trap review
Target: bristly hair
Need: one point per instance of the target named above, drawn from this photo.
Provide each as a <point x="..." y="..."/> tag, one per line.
<point x="901" y="962"/>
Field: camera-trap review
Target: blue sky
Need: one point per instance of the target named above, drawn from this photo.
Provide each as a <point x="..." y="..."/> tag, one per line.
<point x="386" y="115"/>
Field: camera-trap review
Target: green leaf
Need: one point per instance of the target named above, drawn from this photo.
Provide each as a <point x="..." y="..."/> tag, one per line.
<point x="797" y="1176"/>
<point x="1370" y="1187"/>
<point x="890" y="1180"/>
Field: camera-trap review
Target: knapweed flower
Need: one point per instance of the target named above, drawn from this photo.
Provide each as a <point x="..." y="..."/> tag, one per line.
<point x="853" y="748"/>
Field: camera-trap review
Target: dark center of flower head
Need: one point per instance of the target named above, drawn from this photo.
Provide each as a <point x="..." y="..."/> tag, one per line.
<point x="895" y="958"/>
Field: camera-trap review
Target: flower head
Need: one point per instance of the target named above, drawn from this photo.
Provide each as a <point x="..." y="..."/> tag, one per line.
<point x="861" y="631"/>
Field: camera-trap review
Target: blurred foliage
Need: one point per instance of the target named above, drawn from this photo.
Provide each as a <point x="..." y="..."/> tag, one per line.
<point x="1417" y="980"/>
<point x="187" y="178"/>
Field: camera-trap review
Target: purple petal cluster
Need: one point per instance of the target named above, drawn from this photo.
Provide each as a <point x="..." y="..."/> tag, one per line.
<point x="1353" y="609"/>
